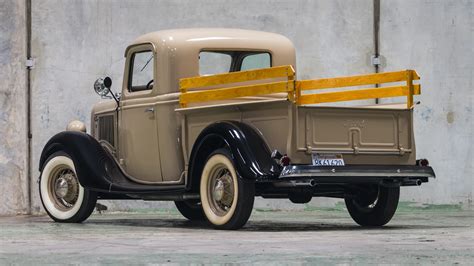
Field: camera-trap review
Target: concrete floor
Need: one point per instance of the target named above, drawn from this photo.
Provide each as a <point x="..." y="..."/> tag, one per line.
<point x="432" y="235"/>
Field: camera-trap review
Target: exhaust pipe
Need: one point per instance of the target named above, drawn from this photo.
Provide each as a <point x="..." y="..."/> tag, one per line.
<point x="416" y="182"/>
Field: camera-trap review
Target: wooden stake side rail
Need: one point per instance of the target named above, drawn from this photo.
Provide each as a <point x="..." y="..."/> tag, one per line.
<point x="294" y="88"/>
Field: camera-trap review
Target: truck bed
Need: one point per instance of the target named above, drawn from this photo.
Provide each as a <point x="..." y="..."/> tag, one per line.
<point x="295" y="124"/>
<point x="362" y="135"/>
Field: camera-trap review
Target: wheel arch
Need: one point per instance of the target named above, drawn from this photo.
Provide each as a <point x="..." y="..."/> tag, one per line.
<point x="250" y="152"/>
<point x="89" y="158"/>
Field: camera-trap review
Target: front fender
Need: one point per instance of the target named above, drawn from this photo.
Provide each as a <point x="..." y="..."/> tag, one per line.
<point x="251" y="154"/>
<point x="96" y="169"/>
<point x="90" y="159"/>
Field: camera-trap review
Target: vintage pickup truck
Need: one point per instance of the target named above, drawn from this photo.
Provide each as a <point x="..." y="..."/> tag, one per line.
<point x="212" y="118"/>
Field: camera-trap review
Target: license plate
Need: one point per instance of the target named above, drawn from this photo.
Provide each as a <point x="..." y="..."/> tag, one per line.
<point x="327" y="159"/>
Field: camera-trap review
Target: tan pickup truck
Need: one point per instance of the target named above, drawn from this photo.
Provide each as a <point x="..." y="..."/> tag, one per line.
<point x="211" y="118"/>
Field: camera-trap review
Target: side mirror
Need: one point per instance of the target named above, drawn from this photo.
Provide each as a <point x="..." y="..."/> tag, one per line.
<point x="102" y="86"/>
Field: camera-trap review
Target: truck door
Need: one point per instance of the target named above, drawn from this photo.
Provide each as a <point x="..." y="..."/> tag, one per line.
<point x="139" y="151"/>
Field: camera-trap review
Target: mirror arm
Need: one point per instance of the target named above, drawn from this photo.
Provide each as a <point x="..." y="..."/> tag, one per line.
<point x="115" y="97"/>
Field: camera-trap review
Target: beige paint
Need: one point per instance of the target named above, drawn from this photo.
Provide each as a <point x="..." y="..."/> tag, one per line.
<point x="362" y="135"/>
<point x="154" y="147"/>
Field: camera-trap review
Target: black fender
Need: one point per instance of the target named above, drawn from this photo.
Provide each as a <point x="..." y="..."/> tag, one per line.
<point x="251" y="154"/>
<point x="96" y="169"/>
<point x="87" y="154"/>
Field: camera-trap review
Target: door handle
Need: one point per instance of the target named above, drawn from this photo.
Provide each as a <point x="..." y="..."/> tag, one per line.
<point x="150" y="110"/>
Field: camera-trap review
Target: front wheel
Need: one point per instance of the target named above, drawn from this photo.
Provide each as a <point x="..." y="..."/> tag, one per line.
<point x="63" y="198"/>
<point x="227" y="199"/>
<point x="373" y="206"/>
<point x="190" y="209"/>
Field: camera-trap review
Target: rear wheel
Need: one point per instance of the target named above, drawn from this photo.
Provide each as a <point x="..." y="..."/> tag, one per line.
<point x="191" y="209"/>
<point x="227" y="200"/>
<point x="375" y="206"/>
<point x="63" y="198"/>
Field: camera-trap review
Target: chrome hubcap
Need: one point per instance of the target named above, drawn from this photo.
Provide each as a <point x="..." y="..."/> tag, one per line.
<point x="221" y="190"/>
<point x="64" y="188"/>
<point x="61" y="187"/>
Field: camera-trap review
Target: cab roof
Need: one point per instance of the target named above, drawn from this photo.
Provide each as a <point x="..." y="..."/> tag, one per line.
<point x="179" y="50"/>
<point x="216" y="38"/>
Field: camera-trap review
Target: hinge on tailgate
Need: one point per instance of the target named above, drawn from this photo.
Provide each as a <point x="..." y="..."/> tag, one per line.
<point x="402" y="150"/>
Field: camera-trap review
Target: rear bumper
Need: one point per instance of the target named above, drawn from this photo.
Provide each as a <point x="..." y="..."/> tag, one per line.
<point x="404" y="175"/>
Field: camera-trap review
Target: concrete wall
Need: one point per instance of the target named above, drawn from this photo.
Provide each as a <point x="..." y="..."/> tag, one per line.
<point x="436" y="39"/>
<point x="13" y="136"/>
<point x="75" y="42"/>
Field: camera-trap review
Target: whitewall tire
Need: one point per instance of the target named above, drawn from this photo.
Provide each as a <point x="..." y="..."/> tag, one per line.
<point x="227" y="200"/>
<point x="63" y="198"/>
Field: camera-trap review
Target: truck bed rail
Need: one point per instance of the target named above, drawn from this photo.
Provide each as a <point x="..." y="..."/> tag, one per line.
<point x="193" y="90"/>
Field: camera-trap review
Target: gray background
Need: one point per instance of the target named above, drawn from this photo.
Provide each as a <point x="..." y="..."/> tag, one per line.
<point x="74" y="42"/>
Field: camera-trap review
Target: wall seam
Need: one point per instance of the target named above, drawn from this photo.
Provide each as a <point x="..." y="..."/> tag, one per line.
<point x="376" y="29"/>
<point x="28" y="107"/>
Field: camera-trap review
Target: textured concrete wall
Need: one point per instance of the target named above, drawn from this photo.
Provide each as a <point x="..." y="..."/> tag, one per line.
<point x="13" y="141"/>
<point x="75" y="42"/>
<point x="436" y="39"/>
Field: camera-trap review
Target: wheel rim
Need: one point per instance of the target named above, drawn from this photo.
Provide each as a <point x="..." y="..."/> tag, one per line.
<point x="60" y="191"/>
<point x="220" y="190"/>
<point x="63" y="187"/>
<point x="367" y="202"/>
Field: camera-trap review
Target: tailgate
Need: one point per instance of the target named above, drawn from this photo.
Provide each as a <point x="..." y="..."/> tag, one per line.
<point x="354" y="130"/>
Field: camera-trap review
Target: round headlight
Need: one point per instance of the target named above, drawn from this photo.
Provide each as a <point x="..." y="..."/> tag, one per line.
<point x="102" y="86"/>
<point x="76" y="125"/>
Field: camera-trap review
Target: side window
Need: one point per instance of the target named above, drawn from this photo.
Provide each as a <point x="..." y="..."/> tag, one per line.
<point x="255" y="61"/>
<point x="211" y="63"/>
<point x="141" y="71"/>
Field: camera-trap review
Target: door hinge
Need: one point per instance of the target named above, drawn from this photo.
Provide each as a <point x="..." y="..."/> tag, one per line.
<point x="30" y="63"/>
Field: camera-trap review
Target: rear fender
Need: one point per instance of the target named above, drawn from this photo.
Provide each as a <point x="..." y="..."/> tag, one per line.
<point x="251" y="155"/>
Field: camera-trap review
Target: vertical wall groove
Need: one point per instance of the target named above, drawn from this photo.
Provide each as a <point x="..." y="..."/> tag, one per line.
<point x="376" y="37"/>
<point x="28" y="104"/>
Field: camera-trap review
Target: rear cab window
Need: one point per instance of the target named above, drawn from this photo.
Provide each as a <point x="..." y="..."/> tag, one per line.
<point x="255" y="61"/>
<point x="219" y="62"/>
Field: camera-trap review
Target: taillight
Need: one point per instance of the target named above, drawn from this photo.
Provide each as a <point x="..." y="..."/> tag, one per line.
<point x="422" y="162"/>
<point x="285" y="160"/>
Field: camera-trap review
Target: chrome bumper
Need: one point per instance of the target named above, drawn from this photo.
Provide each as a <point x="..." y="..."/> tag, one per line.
<point x="404" y="175"/>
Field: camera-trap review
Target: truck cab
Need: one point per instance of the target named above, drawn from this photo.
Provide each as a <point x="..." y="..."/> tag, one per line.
<point x="212" y="118"/>
<point x="146" y="121"/>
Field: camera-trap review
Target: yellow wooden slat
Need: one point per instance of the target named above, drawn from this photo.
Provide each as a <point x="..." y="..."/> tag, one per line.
<point x="415" y="75"/>
<point x="235" y="92"/>
<point x="410" y="89"/>
<point x="291" y="94"/>
<point x="234" y="77"/>
<point x="356" y="80"/>
<point x="352" y="95"/>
